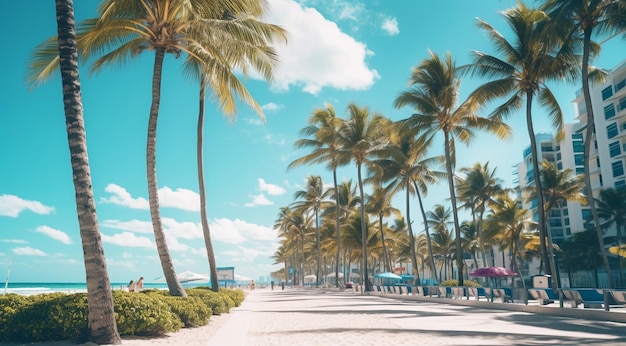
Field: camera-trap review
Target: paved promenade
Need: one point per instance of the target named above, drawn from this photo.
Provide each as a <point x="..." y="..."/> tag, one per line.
<point x="316" y="317"/>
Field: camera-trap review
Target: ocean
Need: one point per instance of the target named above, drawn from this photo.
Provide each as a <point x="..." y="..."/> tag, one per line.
<point x="29" y="288"/>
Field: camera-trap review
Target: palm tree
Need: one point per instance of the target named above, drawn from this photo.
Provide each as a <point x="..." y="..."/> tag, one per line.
<point x="588" y="17"/>
<point x="558" y="187"/>
<point x="478" y="188"/>
<point x="527" y="63"/>
<point x="236" y="39"/>
<point x="312" y="201"/>
<point x="358" y="137"/>
<point x="433" y="92"/>
<point x="612" y="209"/>
<point x="101" y="316"/>
<point x="405" y="167"/>
<point x="513" y="223"/>
<point x="443" y="240"/>
<point x="469" y="239"/>
<point x="379" y="204"/>
<point x="323" y="126"/>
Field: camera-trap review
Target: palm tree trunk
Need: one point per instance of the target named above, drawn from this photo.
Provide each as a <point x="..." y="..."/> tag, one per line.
<point x="100" y="315"/>
<point x="386" y="260"/>
<point x="457" y="229"/>
<point x="587" y="152"/>
<point x="479" y="230"/>
<point x="368" y="284"/>
<point x="411" y="236"/>
<point x="337" y="228"/>
<point x="539" y="193"/>
<point x="173" y="285"/>
<point x="317" y="246"/>
<point x="215" y="285"/>
<point x="433" y="268"/>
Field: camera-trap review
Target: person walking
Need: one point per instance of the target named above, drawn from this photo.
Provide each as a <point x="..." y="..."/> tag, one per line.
<point x="139" y="285"/>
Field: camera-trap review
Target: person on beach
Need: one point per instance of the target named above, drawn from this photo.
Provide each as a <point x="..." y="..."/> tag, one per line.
<point x="131" y="286"/>
<point x="272" y="285"/>
<point x="139" y="285"/>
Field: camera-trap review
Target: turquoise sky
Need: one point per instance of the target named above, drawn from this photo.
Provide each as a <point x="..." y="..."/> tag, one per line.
<point x="339" y="52"/>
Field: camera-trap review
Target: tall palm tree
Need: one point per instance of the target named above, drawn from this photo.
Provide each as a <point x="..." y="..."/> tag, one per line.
<point x="513" y="224"/>
<point x="358" y="137"/>
<point x="101" y="316"/>
<point x="478" y="188"/>
<point x="612" y="210"/>
<point x="323" y="127"/>
<point x="443" y="240"/>
<point x="379" y="204"/>
<point x="558" y="187"/>
<point x="312" y="200"/>
<point x="434" y="93"/>
<point x="586" y="18"/>
<point x="406" y="167"/>
<point x="236" y="39"/>
<point x="528" y="61"/>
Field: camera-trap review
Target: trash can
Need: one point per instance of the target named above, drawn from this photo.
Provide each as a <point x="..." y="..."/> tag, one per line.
<point x="541" y="281"/>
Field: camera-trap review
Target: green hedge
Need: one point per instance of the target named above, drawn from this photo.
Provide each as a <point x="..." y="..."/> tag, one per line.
<point x="454" y="282"/>
<point x="60" y="316"/>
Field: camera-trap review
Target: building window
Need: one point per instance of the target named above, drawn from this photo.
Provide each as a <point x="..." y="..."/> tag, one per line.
<point x="620" y="85"/>
<point x="615" y="149"/>
<point x="611" y="130"/>
<point x="607" y="92"/>
<point x="578" y="147"/>
<point x="579" y="170"/>
<point x="618" y="168"/>
<point x="609" y="111"/>
<point x="567" y="221"/>
<point x="559" y="165"/>
<point x="622" y="104"/>
<point x="568" y="231"/>
<point x="620" y="183"/>
<point x="577" y="136"/>
<point x="586" y="214"/>
<point x="579" y="159"/>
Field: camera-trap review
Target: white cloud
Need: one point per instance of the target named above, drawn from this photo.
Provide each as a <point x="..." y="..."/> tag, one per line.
<point x="11" y="205"/>
<point x="318" y="54"/>
<point x="14" y="241"/>
<point x="54" y="234"/>
<point x="121" y="197"/>
<point x="350" y="11"/>
<point x="28" y="251"/>
<point x="271" y="139"/>
<point x="180" y="198"/>
<point x="239" y="231"/>
<point x="271" y="106"/>
<point x="258" y="200"/>
<point x="184" y="229"/>
<point x="128" y="239"/>
<point x="132" y="225"/>
<point x="390" y="26"/>
<point x="272" y="189"/>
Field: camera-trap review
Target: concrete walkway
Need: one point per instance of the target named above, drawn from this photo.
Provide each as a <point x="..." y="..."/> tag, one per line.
<point x="316" y="317"/>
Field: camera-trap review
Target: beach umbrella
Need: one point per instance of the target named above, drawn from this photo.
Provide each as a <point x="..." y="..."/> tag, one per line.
<point x="189" y="276"/>
<point x="332" y="275"/>
<point x="493" y="272"/>
<point x="387" y="275"/>
<point x="620" y="251"/>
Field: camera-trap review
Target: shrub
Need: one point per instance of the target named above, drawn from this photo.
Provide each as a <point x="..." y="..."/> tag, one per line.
<point x="10" y="304"/>
<point x="219" y="303"/>
<point x="52" y="316"/>
<point x="143" y="314"/>
<point x="236" y="295"/>
<point x="191" y="310"/>
<point x="454" y="282"/>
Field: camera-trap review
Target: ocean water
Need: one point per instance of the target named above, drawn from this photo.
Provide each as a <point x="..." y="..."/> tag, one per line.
<point x="29" y="288"/>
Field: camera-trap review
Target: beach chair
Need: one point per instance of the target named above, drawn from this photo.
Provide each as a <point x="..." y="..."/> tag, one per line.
<point x="500" y="293"/>
<point x="488" y="293"/>
<point x="619" y="297"/>
<point x="473" y="292"/>
<point x="443" y="292"/>
<point x="540" y="295"/>
<point x="458" y="292"/>
<point x="572" y="297"/>
<point x="420" y="291"/>
<point x="404" y="290"/>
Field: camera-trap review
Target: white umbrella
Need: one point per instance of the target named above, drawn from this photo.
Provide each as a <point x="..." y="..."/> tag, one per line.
<point x="332" y="275"/>
<point x="189" y="276"/>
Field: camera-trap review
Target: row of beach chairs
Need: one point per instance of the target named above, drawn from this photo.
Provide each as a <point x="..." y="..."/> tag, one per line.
<point x="572" y="297"/>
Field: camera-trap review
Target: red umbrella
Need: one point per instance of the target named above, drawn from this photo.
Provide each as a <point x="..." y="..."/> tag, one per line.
<point x="493" y="272"/>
